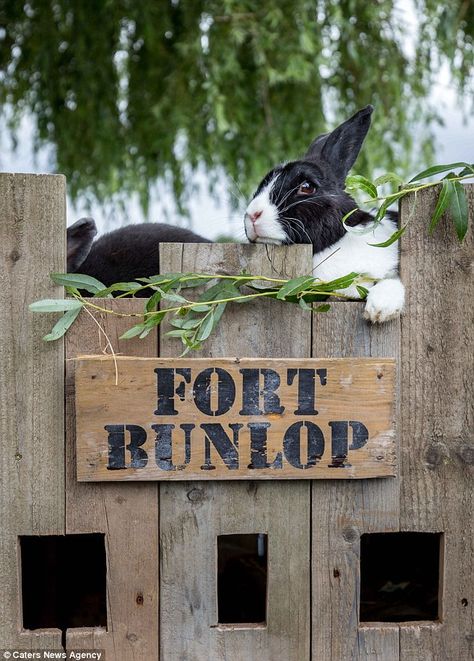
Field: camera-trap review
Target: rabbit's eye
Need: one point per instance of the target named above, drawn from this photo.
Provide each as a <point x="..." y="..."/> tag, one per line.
<point x="306" y="189"/>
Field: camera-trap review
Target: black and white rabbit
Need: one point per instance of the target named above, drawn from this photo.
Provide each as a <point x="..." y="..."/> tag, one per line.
<point x="122" y="255"/>
<point x="304" y="202"/>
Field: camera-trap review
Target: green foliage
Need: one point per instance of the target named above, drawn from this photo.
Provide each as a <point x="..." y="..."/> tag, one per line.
<point x="193" y="321"/>
<point x="451" y="196"/>
<point x="395" y="236"/>
<point x="129" y="92"/>
<point x="459" y="211"/>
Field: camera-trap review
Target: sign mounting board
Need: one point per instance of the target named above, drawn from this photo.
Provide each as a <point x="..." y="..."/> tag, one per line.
<point x="224" y="419"/>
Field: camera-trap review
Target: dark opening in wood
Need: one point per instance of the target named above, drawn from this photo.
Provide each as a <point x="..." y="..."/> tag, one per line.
<point x="400" y="577"/>
<point x="63" y="581"/>
<point x="242" y="579"/>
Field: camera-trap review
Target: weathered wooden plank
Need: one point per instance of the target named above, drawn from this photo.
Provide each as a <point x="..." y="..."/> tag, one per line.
<point x="193" y="514"/>
<point x="420" y="641"/>
<point x="378" y="643"/>
<point x="126" y="513"/>
<point x="437" y="417"/>
<point x="33" y="220"/>
<point x="342" y="512"/>
<point x="345" y="405"/>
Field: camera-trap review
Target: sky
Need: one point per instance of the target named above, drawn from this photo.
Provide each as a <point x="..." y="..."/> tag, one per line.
<point x="213" y="217"/>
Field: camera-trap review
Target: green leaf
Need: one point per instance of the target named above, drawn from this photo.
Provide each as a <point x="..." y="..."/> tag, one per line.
<point x="318" y="295"/>
<point x="340" y="283"/>
<point x="144" y="328"/>
<point x="163" y="278"/>
<point x="222" y="289"/>
<point x="190" y="344"/>
<point x="388" y="202"/>
<point x="55" y="305"/>
<point x="234" y="292"/>
<point x="259" y="285"/>
<point x="175" y="333"/>
<point x="395" y="236"/>
<point x="78" y="281"/>
<point x="206" y="327"/>
<point x="199" y="307"/>
<point x="186" y="323"/>
<point x="442" y="204"/>
<point x="468" y="171"/>
<point x="458" y="208"/>
<point x="133" y="331"/>
<point x="173" y="298"/>
<point x="348" y="215"/>
<point x="145" y="332"/>
<point x="324" y="307"/>
<point x="390" y="177"/>
<point x="156" y="318"/>
<point x="261" y="290"/>
<point x="173" y="283"/>
<point x="362" y="291"/>
<point x="218" y="312"/>
<point x="436" y="169"/>
<point x="302" y="303"/>
<point x="196" y="282"/>
<point x="295" y="286"/>
<point x="358" y="182"/>
<point x="118" y="286"/>
<point x="62" y="325"/>
<point x="153" y="301"/>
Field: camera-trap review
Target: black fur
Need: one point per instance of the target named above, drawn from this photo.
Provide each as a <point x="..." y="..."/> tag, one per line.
<point x="124" y="254"/>
<point x="316" y="218"/>
<point x="79" y="241"/>
<point x="133" y="251"/>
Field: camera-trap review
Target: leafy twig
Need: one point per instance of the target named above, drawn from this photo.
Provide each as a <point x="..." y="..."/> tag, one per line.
<point x="452" y="196"/>
<point x="193" y="321"/>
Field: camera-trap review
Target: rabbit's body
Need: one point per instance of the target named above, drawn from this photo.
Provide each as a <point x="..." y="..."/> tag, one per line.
<point x="305" y="202"/>
<point x="122" y="255"/>
<point x="298" y="202"/>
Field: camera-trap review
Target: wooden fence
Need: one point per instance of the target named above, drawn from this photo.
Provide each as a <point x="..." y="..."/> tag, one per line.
<point x="161" y="538"/>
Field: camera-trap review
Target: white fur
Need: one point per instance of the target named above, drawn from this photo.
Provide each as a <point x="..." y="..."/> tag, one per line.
<point x="352" y="252"/>
<point x="266" y="229"/>
<point x="385" y="300"/>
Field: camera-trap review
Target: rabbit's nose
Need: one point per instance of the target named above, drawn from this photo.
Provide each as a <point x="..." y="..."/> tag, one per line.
<point x="255" y="216"/>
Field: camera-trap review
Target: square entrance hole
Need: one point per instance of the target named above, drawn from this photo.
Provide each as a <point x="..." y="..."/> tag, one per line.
<point x="63" y="581"/>
<point x="400" y="576"/>
<point x="242" y="579"/>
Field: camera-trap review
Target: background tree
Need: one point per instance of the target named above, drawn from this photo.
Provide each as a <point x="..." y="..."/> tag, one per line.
<point x="129" y="91"/>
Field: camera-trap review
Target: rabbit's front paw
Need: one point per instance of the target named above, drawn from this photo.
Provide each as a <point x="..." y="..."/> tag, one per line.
<point x="385" y="301"/>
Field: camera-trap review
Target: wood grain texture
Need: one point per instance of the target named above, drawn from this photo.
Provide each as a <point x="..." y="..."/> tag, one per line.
<point x="378" y="643"/>
<point x="126" y="513"/>
<point x="33" y="220"/>
<point x="342" y="512"/>
<point x="351" y="394"/>
<point x="193" y="514"/>
<point x="437" y="459"/>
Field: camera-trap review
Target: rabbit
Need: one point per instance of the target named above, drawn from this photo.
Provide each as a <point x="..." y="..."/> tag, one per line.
<point x="304" y="201"/>
<point x="122" y="255"/>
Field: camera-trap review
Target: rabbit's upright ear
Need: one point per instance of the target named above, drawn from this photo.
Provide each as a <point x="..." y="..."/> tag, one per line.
<point x="79" y="241"/>
<point x="341" y="147"/>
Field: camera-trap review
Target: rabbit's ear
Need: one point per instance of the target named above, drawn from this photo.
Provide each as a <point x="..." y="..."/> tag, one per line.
<point x="341" y="147"/>
<point x="79" y="241"/>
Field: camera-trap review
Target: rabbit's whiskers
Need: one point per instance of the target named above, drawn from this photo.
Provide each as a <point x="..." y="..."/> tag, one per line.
<point x="286" y="196"/>
<point x="300" y="225"/>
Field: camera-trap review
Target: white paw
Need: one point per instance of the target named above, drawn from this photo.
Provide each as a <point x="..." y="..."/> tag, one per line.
<point x="385" y="301"/>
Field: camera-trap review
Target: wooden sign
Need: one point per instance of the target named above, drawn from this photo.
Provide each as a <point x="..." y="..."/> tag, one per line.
<point x="224" y="419"/>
